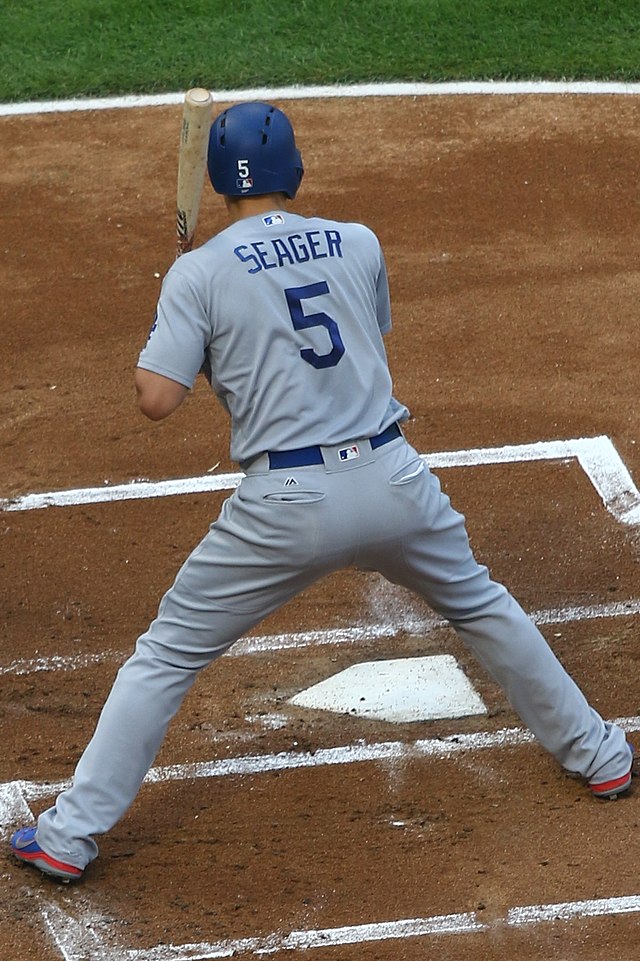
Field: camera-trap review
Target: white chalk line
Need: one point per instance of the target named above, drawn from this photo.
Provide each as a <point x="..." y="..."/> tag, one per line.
<point x="79" y="940"/>
<point x="409" y="89"/>
<point x="597" y="456"/>
<point x="14" y="795"/>
<point x="273" y="643"/>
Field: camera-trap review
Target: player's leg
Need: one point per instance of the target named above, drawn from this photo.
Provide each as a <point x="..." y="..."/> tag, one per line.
<point x="436" y="561"/>
<point x="255" y="557"/>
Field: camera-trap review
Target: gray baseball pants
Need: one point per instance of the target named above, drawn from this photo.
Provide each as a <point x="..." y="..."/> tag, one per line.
<point x="382" y="511"/>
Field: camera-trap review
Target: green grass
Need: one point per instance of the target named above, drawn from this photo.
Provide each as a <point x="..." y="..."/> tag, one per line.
<point x="64" y="48"/>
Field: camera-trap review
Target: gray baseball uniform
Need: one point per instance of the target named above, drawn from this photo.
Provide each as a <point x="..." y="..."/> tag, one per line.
<point x="286" y="315"/>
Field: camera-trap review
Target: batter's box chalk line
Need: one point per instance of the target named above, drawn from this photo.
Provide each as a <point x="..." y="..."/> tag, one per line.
<point x="333" y="637"/>
<point x="16" y="796"/>
<point x="597" y="456"/>
<point x="83" y="938"/>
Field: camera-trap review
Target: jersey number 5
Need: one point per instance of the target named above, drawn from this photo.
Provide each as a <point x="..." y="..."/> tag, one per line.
<point x="302" y="321"/>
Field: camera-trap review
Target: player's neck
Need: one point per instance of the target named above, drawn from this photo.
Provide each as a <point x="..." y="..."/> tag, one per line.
<point x="238" y="208"/>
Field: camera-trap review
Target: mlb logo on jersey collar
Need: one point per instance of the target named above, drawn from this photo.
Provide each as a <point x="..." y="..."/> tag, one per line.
<point x="349" y="453"/>
<point x="273" y="220"/>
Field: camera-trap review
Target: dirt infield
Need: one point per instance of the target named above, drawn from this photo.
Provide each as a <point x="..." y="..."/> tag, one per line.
<point x="510" y="226"/>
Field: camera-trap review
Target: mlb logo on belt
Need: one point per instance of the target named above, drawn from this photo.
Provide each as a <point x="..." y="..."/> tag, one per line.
<point x="349" y="453"/>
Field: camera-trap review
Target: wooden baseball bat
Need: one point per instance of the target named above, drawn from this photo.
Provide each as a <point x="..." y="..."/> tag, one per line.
<point x="192" y="161"/>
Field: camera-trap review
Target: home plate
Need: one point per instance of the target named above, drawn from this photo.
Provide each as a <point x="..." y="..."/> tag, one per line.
<point x="406" y="689"/>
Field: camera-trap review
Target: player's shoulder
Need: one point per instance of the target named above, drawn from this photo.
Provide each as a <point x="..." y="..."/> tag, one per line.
<point x="353" y="232"/>
<point x="199" y="264"/>
<point x="347" y="226"/>
<point x="187" y="269"/>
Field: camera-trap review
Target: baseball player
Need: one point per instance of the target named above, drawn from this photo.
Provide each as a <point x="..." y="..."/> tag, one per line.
<point x="286" y="316"/>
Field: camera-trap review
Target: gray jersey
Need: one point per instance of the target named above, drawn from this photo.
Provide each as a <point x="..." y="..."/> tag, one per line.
<point x="287" y="314"/>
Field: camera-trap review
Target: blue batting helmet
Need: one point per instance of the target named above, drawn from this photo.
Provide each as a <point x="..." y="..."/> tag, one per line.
<point x="252" y="150"/>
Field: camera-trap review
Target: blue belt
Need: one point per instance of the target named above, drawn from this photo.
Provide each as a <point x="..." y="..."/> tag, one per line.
<point x="308" y="456"/>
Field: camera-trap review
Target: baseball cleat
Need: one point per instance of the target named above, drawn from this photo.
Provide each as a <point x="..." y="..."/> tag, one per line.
<point x="610" y="790"/>
<point x="25" y="847"/>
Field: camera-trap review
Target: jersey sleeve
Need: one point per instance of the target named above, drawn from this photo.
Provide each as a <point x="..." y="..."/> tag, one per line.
<point x="180" y="333"/>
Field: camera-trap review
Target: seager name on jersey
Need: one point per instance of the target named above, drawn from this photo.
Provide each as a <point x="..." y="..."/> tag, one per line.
<point x="294" y="249"/>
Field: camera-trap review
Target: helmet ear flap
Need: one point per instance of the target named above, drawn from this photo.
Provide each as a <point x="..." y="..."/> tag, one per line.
<point x="252" y="151"/>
